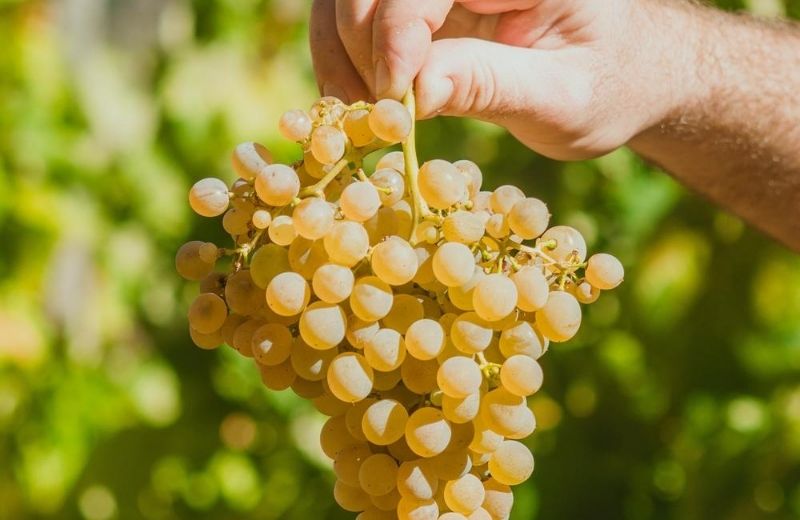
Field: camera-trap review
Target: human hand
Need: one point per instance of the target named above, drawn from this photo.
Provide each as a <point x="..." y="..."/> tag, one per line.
<point x="570" y="79"/>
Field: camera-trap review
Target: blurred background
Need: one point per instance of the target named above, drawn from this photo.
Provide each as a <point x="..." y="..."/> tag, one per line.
<point x="680" y="398"/>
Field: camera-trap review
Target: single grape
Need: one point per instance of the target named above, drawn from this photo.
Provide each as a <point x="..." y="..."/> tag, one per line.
<point x="390" y="120"/>
<point x="451" y="464"/>
<point x="356" y="126"/>
<point x="498" y="500"/>
<point x="277" y="185"/>
<point x="371" y="298"/>
<point x="441" y="184"/>
<point x="249" y="158"/>
<point x="242" y="294"/>
<point x="427" y="432"/>
<point x="328" y="144"/>
<point x="604" y="271"/>
<point x="384" y="422"/>
<point x="511" y="463"/>
<point x="567" y="242"/>
<point x="532" y="288"/>
<point x="334" y="437"/>
<point x="310" y="363"/>
<point x="394" y="261"/>
<point x="236" y="221"/>
<point x="425" y="339"/>
<point x="504" y="198"/>
<point x="323" y="325"/>
<point x="560" y="318"/>
<point x="391" y="185"/>
<point x="350" y="377"/>
<point x="465" y="494"/>
<point x="209" y="197"/>
<point x="271" y="344"/>
<point x="188" y="262"/>
<point x="521" y="375"/>
<point x="495" y="297"/>
<point x="333" y="283"/>
<point x="261" y="219"/>
<point x="522" y="338"/>
<point x="385" y="350"/>
<point x="346" y="243"/>
<point x="313" y="218"/>
<point x="470" y="333"/>
<point x="453" y="264"/>
<point x="528" y="218"/>
<point x="378" y="474"/>
<point x="295" y="125"/>
<point x="359" y="201"/>
<point x="288" y="294"/>
<point x="473" y="174"/>
<point x="207" y="313"/>
<point x="281" y="230"/>
<point x="417" y="480"/>
<point x="459" y="377"/>
<point x="463" y="226"/>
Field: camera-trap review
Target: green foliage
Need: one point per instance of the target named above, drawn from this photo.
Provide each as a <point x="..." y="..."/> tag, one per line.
<point x="678" y="400"/>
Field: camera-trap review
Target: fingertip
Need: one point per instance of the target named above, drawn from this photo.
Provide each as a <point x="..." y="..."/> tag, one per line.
<point x="433" y="94"/>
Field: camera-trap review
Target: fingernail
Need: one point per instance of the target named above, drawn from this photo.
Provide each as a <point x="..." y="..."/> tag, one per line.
<point x="329" y="89"/>
<point x="382" y="80"/>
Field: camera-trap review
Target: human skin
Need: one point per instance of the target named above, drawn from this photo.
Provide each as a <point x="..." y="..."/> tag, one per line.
<point x="709" y="96"/>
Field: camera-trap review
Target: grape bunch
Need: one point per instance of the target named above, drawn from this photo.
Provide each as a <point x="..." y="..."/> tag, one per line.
<point x="408" y="305"/>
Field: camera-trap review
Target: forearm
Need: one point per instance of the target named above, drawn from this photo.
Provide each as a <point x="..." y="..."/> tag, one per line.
<point x="733" y="133"/>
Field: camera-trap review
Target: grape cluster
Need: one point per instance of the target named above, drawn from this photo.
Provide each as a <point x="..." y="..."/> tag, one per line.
<point x="408" y="305"/>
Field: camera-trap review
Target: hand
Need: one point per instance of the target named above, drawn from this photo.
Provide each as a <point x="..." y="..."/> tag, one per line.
<point x="570" y="79"/>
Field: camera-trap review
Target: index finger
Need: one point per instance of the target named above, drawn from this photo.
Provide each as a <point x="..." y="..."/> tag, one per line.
<point x="402" y="35"/>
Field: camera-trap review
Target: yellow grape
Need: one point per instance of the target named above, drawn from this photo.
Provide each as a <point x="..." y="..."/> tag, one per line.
<point x="391" y="185"/>
<point x="406" y="309"/>
<point x="470" y="333"/>
<point x="384" y="422"/>
<point x="271" y="344"/>
<point x="511" y="463"/>
<point x="465" y="494"/>
<point x="371" y="298"/>
<point x="532" y="288"/>
<point x="349" y="461"/>
<point x="323" y="325"/>
<point x="427" y="432"/>
<point x="417" y="480"/>
<point x="267" y="262"/>
<point x="277" y="377"/>
<point x="346" y="243"/>
<point x="189" y="264"/>
<point x="473" y="175"/>
<point x="390" y="120"/>
<point x="378" y="474"/>
<point x="560" y="318"/>
<point x="359" y="331"/>
<point x="495" y="297"/>
<point x="207" y="313"/>
<point x="568" y="243"/>
<point x="504" y="198"/>
<point x="394" y="261"/>
<point x="328" y="144"/>
<point x="310" y="363"/>
<point x="209" y="197"/>
<point x="359" y="201"/>
<point x="313" y="218"/>
<point x="295" y="125"/>
<point x="391" y="160"/>
<point x="528" y="218"/>
<point x="350" y="377"/>
<point x="521" y="375"/>
<point x="277" y="185"/>
<point x="604" y="271"/>
<point x="463" y="226"/>
<point x="350" y="498"/>
<point x="249" y="158"/>
<point x="335" y="438"/>
<point x="356" y="126"/>
<point x="288" y="294"/>
<point x="498" y="499"/>
<point x="507" y="414"/>
<point x="419" y="376"/>
<point x="333" y="283"/>
<point x="441" y="184"/>
<point x="453" y="264"/>
<point x="385" y="350"/>
<point x="354" y="415"/>
<point x="459" y="377"/>
<point x="425" y="339"/>
<point x="242" y="295"/>
<point x="281" y="230"/>
<point x="522" y="338"/>
<point x="461" y="410"/>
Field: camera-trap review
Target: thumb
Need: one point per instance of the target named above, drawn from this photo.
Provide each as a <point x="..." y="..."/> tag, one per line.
<point x="541" y="96"/>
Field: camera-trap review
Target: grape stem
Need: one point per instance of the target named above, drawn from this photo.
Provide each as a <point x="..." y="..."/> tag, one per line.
<point x="317" y="188"/>
<point x="420" y="207"/>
